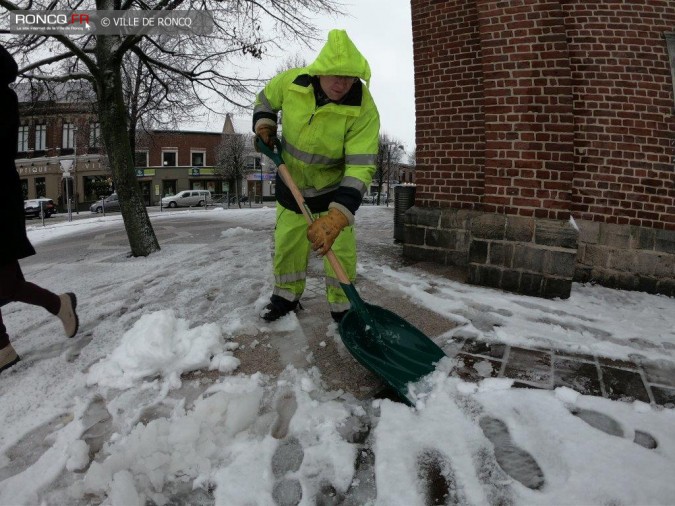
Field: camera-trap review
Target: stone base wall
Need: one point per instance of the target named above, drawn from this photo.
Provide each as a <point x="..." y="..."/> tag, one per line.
<point x="519" y="254"/>
<point x="541" y="257"/>
<point x="625" y="256"/>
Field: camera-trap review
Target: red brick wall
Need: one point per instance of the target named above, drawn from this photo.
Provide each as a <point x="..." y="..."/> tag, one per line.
<point x="528" y="108"/>
<point x="449" y="103"/>
<point x="546" y="108"/>
<point x="623" y="104"/>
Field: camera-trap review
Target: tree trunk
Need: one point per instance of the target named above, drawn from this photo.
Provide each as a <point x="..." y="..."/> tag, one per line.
<point x="115" y="137"/>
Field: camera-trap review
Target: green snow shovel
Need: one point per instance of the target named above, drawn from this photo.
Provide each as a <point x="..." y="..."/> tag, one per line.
<point x="380" y="340"/>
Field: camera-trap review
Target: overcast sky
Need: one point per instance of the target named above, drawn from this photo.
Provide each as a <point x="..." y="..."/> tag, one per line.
<point x="382" y="31"/>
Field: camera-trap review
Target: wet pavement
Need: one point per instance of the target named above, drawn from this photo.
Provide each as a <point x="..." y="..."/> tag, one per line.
<point x="647" y="381"/>
<point x="650" y="382"/>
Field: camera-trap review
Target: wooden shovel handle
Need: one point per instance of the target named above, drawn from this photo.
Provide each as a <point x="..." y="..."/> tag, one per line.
<point x="332" y="259"/>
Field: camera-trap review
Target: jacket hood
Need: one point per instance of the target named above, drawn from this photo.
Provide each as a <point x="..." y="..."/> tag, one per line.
<point x="339" y="57"/>
<point x="8" y="67"/>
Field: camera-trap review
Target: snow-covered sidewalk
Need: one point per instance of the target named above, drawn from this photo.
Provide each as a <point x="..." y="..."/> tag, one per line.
<point x="148" y="405"/>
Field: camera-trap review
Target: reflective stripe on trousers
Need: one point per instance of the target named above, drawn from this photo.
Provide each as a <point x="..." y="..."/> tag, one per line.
<point x="291" y="256"/>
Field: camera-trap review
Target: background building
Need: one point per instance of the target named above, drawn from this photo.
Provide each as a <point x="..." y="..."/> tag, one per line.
<point x="60" y="127"/>
<point x="533" y="112"/>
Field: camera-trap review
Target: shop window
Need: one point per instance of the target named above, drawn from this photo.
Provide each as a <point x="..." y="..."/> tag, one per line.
<point x="68" y="137"/>
<point x="94" y="135"/>
<point x="40" y="187"/>
<point x="169" y="158"/>
<point x="198" y="158"/>
<point x="40" y="137"/>
<point x="24" y="188"/>
<point x="168" y="188"/>
<point x="23" y="138"/>
<point x="141" y="158"/>
<point x="95" y="187"/>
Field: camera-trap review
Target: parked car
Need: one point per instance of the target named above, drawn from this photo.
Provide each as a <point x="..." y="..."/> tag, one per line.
<point x="34" y="207"/>
<point x="111" y="203"/>
<point x="372" y="198"/>
<point x="188" y="198"/>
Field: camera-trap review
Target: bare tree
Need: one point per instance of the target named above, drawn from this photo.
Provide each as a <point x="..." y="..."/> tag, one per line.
<point x="205" y="61"/>
<point x="389" y="154"/>
<point x="154" y="100"/>
<point x="412" y="157"/>
<point x="292" y="62"/>
<point x="231" y="165"/>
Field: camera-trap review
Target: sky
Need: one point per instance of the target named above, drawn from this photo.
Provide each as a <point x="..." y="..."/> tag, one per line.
<point x="382" y="31"/>
<point x="167" y="392"/>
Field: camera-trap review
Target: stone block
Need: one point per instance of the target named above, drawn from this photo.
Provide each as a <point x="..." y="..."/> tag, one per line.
<point x="647" y="284"/>
<point x="423" y="216"/>
<point x="423" y="254"/>
<point x="643" y="238"/>
<point x="622" y="260"/>
<point x="478" y="252"/>
<point x="596" y="256"/>
<point x="589" y="231"/>
<point x="529" y="258"/>
<point x="665" y="241"/>
<point x="663" y="265"/>
<point x="511" y="280"/>
<point x="484" y="275"/>
<point x="615" y="236"/>
<point x="413" y="235"/>
<point x="560" y="263"/>
<point x="489" y="226"/>
<point x="531" y="284"/>
<point x="553" y="288"/>
<point x="555" y="233"/>
<point x="582" y="274"/>
<point x="666" y="287"/>
<point x="501" y="254"/>
<point x="519" y="229"/>
<point x="460" y="257"/>
<point x="445" y="239"/>
<point x="493" y="276"/>
<point x="457" y="218"/>
<point x="475" y="274"/>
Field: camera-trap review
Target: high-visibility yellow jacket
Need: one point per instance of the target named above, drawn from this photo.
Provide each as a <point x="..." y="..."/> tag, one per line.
<point x="329" y="148"/>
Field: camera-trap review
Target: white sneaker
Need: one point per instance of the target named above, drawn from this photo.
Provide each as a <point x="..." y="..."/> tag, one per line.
<point x="8" y="357"/>
<point x="67" y="313"/>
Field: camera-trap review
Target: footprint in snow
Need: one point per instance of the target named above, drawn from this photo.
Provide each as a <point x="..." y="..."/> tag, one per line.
<point x="437" y="478"/>
<point x="610" y="426"/>
<point x="285" y="406"/>
<point x="287" y="458"/>
<point x="515" y="462"/>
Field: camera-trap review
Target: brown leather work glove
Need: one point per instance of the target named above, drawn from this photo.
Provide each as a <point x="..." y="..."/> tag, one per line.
<point x="323" y="232"/>
<point x="267" y="133"/>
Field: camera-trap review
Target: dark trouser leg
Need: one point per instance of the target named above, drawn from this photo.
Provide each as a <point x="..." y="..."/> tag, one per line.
<point x="14" y="288"/>
<point x="4" y="338"/>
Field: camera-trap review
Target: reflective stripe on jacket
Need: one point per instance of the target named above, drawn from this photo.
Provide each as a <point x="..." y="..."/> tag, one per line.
<point x="326" y="148"/>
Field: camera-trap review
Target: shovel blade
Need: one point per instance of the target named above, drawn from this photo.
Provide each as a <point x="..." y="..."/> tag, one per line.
<point x="389" y="346"/>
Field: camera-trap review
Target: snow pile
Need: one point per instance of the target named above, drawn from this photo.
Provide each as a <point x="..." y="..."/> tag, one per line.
<point x="161" y="344"/>
<point x="223" y="442"/>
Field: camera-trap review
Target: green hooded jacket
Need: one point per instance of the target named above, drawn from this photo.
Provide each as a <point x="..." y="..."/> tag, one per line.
<point x="330" y="149"/>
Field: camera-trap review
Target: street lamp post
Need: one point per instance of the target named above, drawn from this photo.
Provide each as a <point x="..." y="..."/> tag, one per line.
<point x="75" y="167"/>
<point x="389" y="145"/>
<point x="66" y="165"/>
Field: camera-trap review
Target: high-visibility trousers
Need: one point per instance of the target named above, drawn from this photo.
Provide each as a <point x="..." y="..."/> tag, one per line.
<point x="291" y="256"/>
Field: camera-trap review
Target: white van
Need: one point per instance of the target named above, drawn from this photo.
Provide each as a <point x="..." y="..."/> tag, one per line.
<point x="188" y="198"/>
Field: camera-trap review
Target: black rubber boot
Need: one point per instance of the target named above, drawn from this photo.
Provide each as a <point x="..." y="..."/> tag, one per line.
<point x="278" y="307"/>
